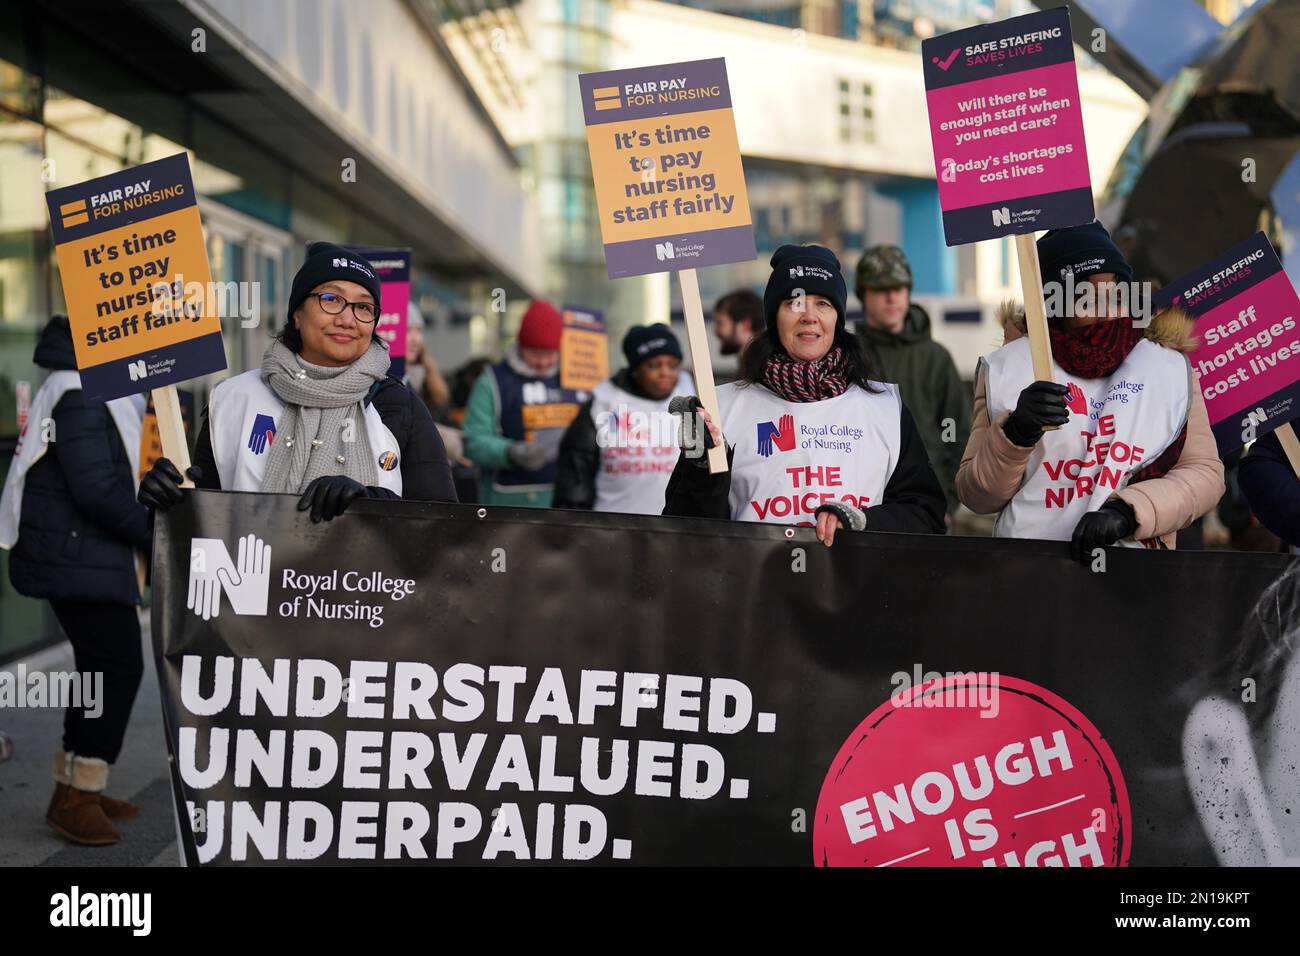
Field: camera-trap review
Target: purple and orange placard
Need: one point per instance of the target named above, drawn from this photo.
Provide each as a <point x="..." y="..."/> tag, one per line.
<point x="1006" y="128"/>
<point x="670" y="188"/>
<point x="1247" y="317"/>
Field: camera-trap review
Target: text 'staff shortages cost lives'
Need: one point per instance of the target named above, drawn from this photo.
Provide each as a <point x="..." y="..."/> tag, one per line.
<point x="1006" y="128"/>
<point x="136" y="280"/>
<point x="1249" y="357"/>
<point x="670" y="190"/>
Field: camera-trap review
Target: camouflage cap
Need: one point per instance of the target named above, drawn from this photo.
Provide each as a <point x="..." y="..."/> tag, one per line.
<point x="882" y="267"/>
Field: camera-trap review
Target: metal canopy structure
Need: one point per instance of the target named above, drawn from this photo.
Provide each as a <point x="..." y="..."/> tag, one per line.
<point x="1216" y="160"/>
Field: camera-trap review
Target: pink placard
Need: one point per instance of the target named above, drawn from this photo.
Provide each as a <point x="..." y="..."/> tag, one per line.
<point x="1259" y="354"/>
<point x="1041" y="150"/>
<point x="1007" y="128"/>
<point x="1248" y="323"/>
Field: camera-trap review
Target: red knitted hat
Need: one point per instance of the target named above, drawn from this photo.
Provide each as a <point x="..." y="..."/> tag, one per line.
<point x="541" y="327"/>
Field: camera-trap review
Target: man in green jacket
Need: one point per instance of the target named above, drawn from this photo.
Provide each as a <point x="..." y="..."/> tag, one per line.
<point x="896" y="334"/>
<point x="518" y="412"/>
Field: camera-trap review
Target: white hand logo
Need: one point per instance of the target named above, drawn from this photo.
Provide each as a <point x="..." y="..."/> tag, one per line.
<point x="207" y="557"/>
<point x="247" y="581"/>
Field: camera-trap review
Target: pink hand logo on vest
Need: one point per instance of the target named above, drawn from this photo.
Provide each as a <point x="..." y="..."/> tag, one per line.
<point x="770" y="435"/>
<point x="1076" y="400"/>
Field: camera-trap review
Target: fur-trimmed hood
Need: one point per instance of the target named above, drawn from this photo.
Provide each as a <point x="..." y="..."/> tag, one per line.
<point x="1172" y="328"/>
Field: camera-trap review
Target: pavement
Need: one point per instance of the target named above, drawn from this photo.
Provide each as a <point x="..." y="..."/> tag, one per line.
<point x="140" y="775"/>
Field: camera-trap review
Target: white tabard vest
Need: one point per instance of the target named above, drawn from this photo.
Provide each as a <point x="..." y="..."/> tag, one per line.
<point x="1118" y="424"/>
<point x="638" y="447"/>
<point x="243" y="418"/>
<point x="792" y="456"/>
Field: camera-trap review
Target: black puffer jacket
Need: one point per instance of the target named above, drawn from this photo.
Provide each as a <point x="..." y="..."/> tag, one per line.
<point x="80" y="520"/>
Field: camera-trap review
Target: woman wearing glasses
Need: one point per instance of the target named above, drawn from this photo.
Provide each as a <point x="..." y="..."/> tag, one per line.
<point x="321" y="418"/>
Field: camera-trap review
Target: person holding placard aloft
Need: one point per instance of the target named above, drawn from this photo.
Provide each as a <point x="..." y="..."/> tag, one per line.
<point x="816" y="440"/>
<point x="1118" y="448"/>
<point x="321" y="418"/>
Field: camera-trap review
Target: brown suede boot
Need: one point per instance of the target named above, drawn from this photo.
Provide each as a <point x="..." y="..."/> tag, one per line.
<point x="75" y="811"/>
<point x="118" y="809"/>
<point x="113" y="809"/>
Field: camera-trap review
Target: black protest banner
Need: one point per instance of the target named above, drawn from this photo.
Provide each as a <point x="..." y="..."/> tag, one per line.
<point x="431" y="683"/>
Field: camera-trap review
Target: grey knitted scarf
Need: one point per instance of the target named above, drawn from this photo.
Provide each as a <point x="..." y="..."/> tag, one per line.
<point x="322" y="430"/>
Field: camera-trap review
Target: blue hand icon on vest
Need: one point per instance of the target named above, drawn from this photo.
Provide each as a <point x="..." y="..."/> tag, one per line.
<point x="262" y="434"/>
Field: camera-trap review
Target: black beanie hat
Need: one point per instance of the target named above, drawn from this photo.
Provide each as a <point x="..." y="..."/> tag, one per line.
<point x="644" y="342"/>
<point x="1083" y="250"/>
<point x="814" y="269"/>
<point x="326" y="261"/>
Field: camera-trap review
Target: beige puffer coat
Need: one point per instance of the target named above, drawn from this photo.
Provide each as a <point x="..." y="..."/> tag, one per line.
<point x="993" y="468"/>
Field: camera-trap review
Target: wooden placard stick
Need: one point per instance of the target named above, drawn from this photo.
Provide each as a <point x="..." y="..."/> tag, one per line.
<point x="1031" y="286"/>
<point x="697" y="340"/>
<point x="171" y="428"/>
<point x="1291" y="445"/>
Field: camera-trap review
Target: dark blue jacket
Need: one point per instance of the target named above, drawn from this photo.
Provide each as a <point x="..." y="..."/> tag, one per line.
<point x="1270" y="485"/>
<point x="80" y="520"/>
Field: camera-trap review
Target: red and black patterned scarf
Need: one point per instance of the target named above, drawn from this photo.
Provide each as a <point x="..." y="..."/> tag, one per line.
<point x="1097" y="350"/>
<point x="1094" y="351"/>
<point x="797" y="381"/>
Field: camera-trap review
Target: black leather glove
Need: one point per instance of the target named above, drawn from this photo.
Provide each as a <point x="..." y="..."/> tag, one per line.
<point x="1040" y="403"/>
<point x="329" y="496"/>
<point x="160" y="489"/>
<point x="1113" y="521"/>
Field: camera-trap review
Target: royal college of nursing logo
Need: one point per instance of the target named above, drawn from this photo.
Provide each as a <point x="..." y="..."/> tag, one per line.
<point x="246" y="580"/>
<point x="772" y="436"/>
<point x="262" y="434"/>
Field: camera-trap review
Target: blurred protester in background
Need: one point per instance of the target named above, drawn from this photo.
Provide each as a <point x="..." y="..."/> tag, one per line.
<point x="517" y="414"/>
<point x="619" y="451"/>
<point x="425" y="379"/>
<point x="737" y="318"/>
<point x="462" y="384"/>
<point x="69" y="513"/>
<point x="896" y="335"/>
<point x="464" y="473"/>
<point x="422" y="374"/>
